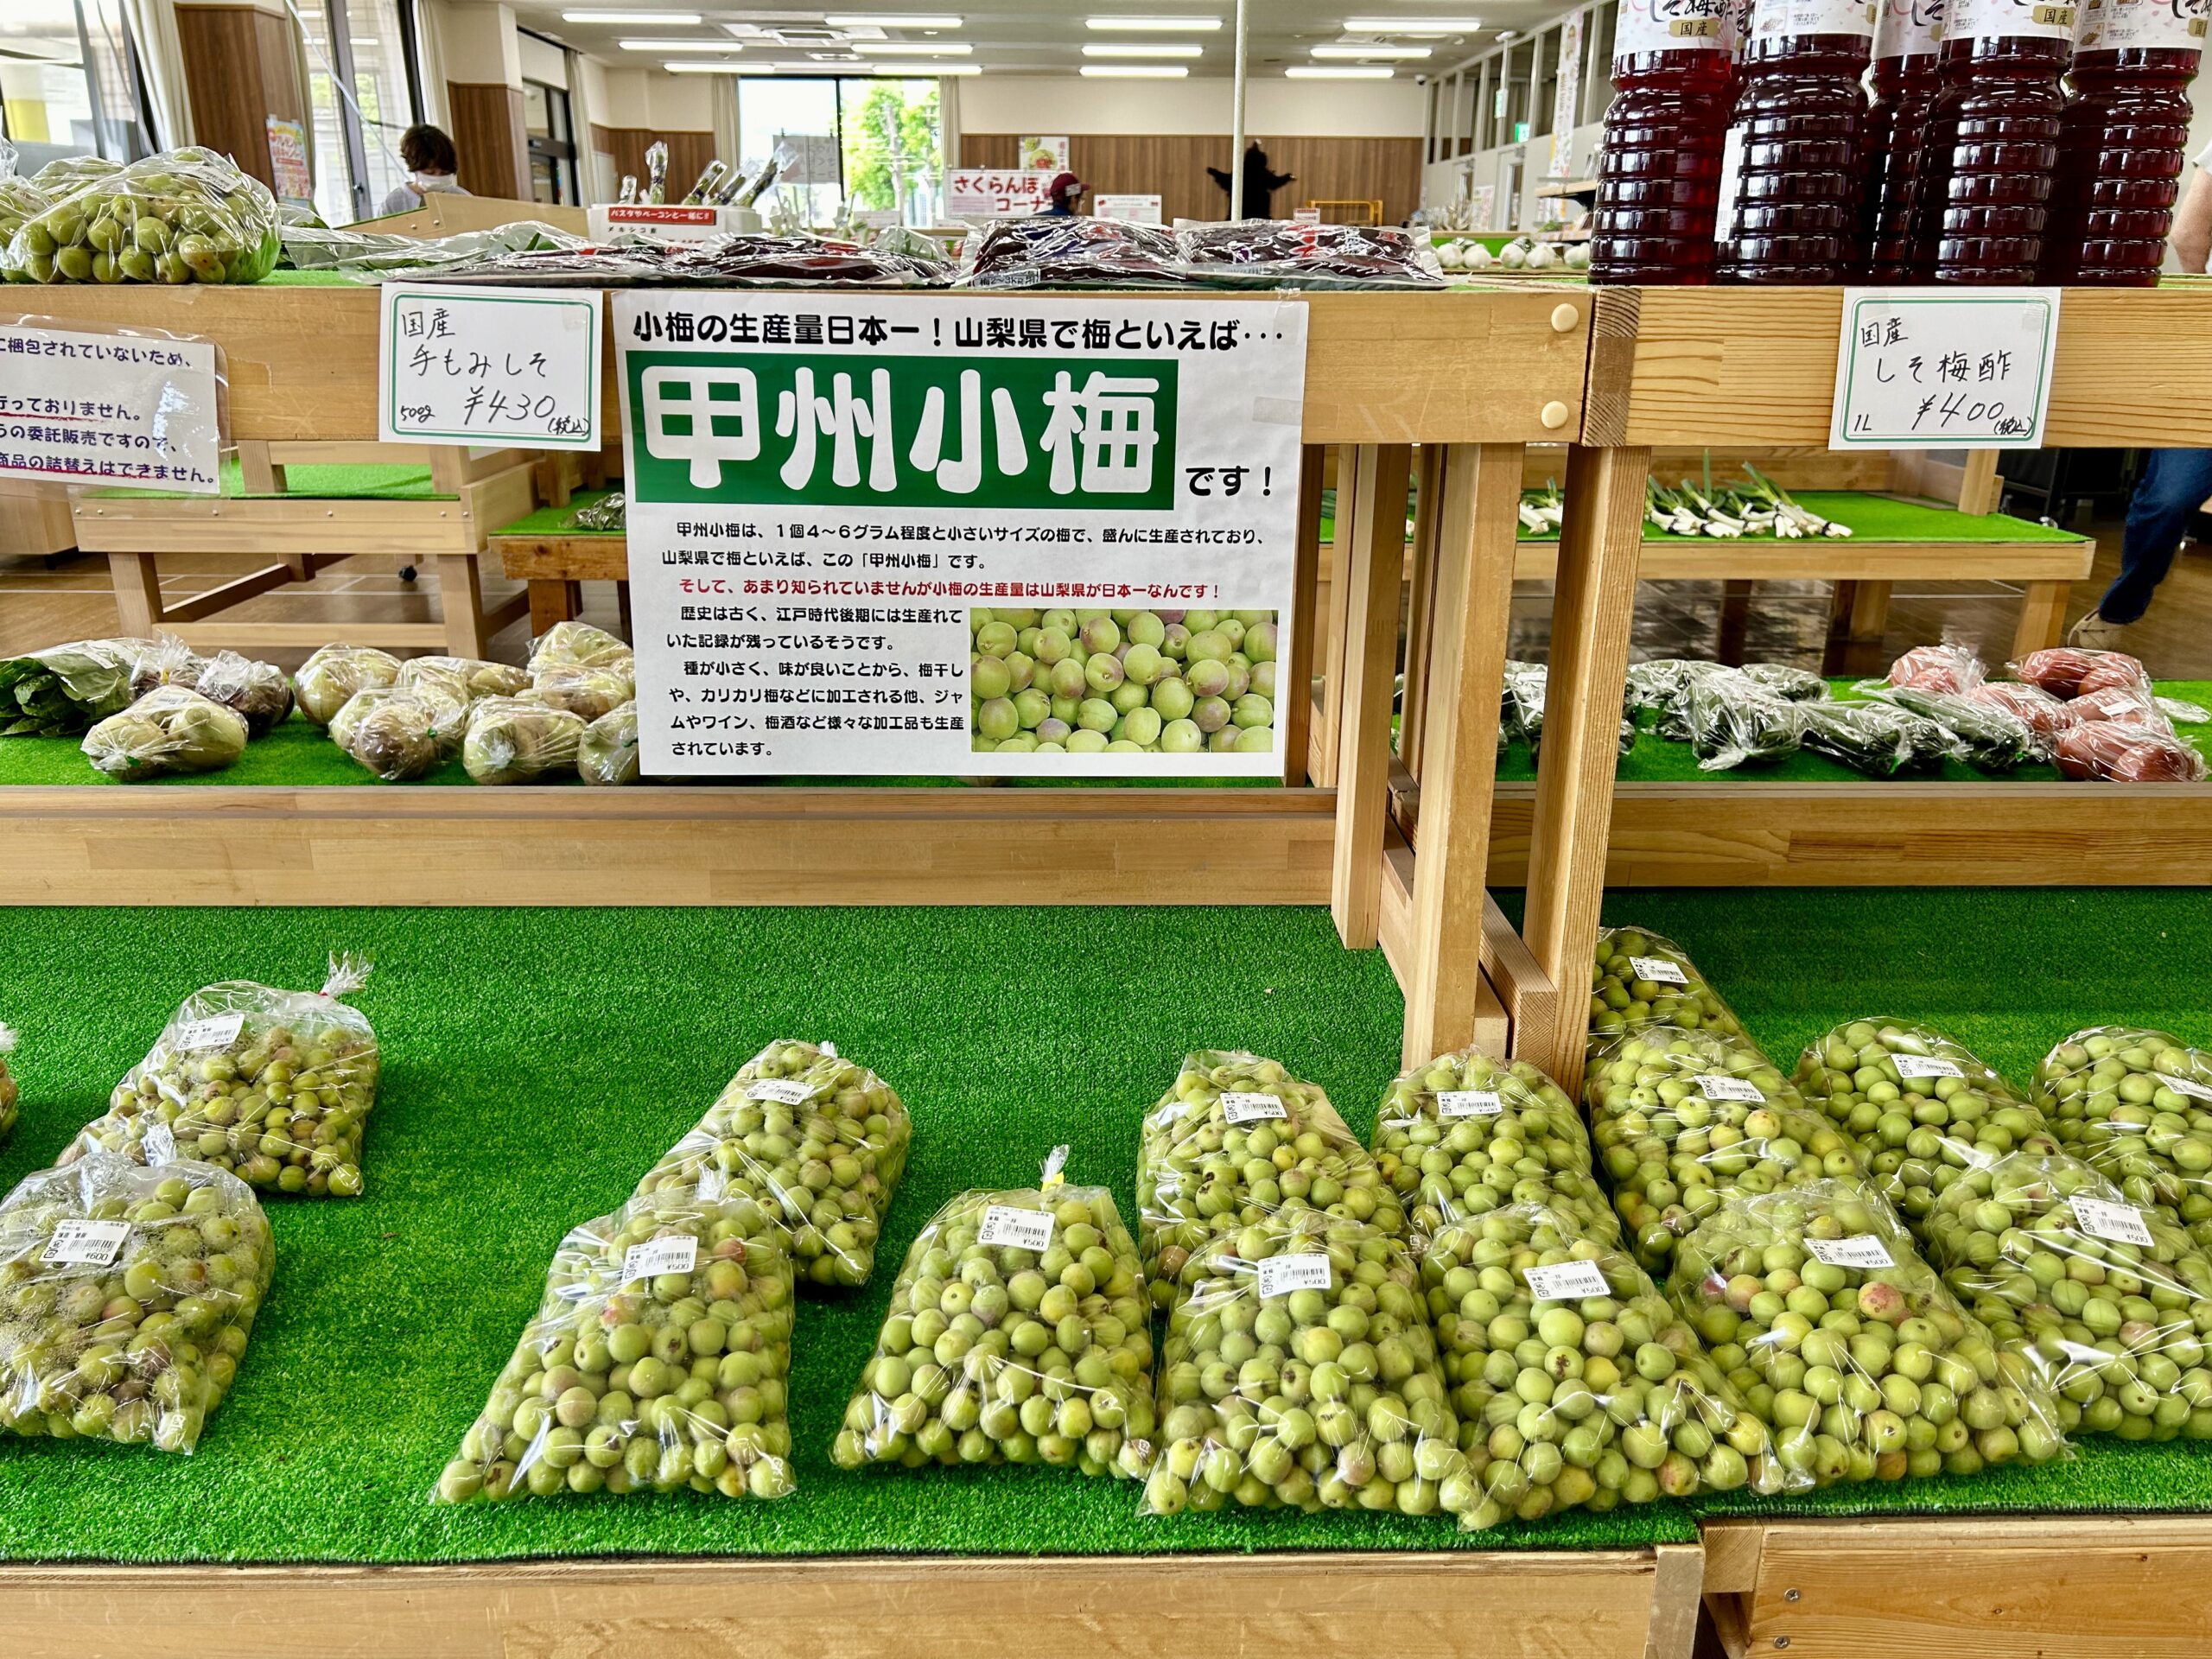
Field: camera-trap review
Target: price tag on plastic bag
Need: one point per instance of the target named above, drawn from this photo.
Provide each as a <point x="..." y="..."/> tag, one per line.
<point x="659" y="1255"/>
<point x="216" y="1031"/>
<point x="1912" y="1067"/>
<point x="85" y="1243"/>
<point x="2122" y="1224"/>
<point x="787" y="1091"/>
<point x="1280" y="1275"/>
<point x="1936" y="369"/>
<point x="1718" y="1088"/>
<point x="1566" y="1281"/>
<point x="2189" y="1086"/>
<point x="1237" y="1107"/>
<point x="1658" y="971"/>
<point x="489" y="366"/>
<point x="1860" y="1250"/>
<point x="1468" y="1103"/>
<point x="1026" y="1230"/>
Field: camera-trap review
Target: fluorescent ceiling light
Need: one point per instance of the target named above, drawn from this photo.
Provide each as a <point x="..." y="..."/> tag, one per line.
<point x="1341" y="53"/>
<point x="1338" y="72"/>
<point x="919" y="49"/>
<point x="1173" y="25"/>
<point x="678" y="19"/>
<point x="1412" y="25"/>
<point x="1136" y="70"/>
<point x="923" y="70"/>
<point x="888" y="20"/>
<point x="680" y="45"/>
<point x="693" y="67"/>
<point x="1156" y="49"/>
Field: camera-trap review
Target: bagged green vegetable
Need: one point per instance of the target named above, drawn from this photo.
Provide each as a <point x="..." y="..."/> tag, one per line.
<point x="399" y="734"/>
<point x="1989" y="738"/>
<point x="2136" y="1106"/>
<point x="171" y="729"/>
<point x="607" y="754"/>
<point x="1575" y="1384"/>
<point x="1300" y="1371"/>
<point x="578" y="644"/>
<point x="658" y="1362"/>
<point x="1921" y="1109"/>
<point x="511" y="741"/>
<point x="126" y="1299"/>
<point x="330" y="677"/>
<point x="61" y="690"/>
<point x="1844" y="1342"/>
<point x="1018" y="1332"/>
<point x="1640" y="979"/>
<point x="1465" y="1134"/>
<point x="1798" y="684"/>
<point x="187" y="215"/>
<point x="585" y="692"/>
<point x="1237" y="1137"/>
<point x="1732" y="721"/>
<point x="465" y="679"/>
<point x="807" y="1142"/>
<point x="1876" y="739"/>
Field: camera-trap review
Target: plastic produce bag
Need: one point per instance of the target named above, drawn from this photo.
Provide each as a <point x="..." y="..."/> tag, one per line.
<point x="1921" y="1109"/>
<point x="583" y="692"/>
<point x="275" y="1087"/>
<point x="607" y="754"/>
<point x="67" y="175"/>
<point x="165" y="660"/>
<point x="187" y="215"/>
<point x="657" y="1362"/>
<point x="1300" y="1371"/>
<point x="1876" y="739"/>
<point x="815" y="1142"/>
<point x="1237" y="1137"/>
<point x="1018" y="1332"/>
<point x="126" y="1298"/>
<point x="512" y="741"/>
<point x="465" y="679"/>
<point x="2107" y="751"/>
<point x="20" y="199"/>
<point x="9" y="1093"/>
<point x="2112" y="1305"/>
<point x="2136" y="1106"/>
<point x="1660" y="684"/>
<point x="1640" y="979"/>
<point x="1282" y="253"/>
<point x="1465" y="1134"/>
<point x="334" y="673"/>
<point x="1732" y="721"/>
<point x="1521" y="712"/>
<point x="1684" y="1119"/>
<point x="1080" y="251"/>
<point x="2070" y="671"/>
<point x="610" y="511"/>
<point x="579" y="643"/>
<point x="1944" y="670"/>
<point x="2043" y="714"/>
<point x="1797" y="684"/>
<point x="1576" y="1385"/>
<point x="60" y="691"/>
<point x="399" y="734"/>
<point x="171" y="729"/>
<point x="1841" y="1338"/>
<point x="1990" y="739"/>
<point x="258" y="692"/>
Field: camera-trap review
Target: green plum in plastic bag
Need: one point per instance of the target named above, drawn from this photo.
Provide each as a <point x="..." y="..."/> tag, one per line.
<point x="187" y="215"/>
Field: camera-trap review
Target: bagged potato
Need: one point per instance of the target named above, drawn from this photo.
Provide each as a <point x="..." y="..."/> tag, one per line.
<point x="1640" y="979"/>
<point x="169" y="729"/>
<point x="1575" y="1384"/>
<point x="257" y="692"/>
<point x="608" y="752"/>
<point x="1300" y="1371"/>
<point x="186" y="215"/>
<point x="1465" y="1135"/>
<point x="1844" y="1341"/>
<point x="1683" y="1119"/>
<point x="657" y="1362"/>
<point x="1945" y="670"/>
<point x="328" y="678"/>
<point x="466" y="678"/>
<point x="9" y="1094"/>
<point x="2136" y="1106"/>
<point x="1920" y="1108"/>
<point x="578" y="644"/>
<point x="814" y="1143"/>
<point x="126" y="1298"/>
<point x="272" y="1086"/>
<point x="1018" y="1332"/>
<point x="2068" y="671"/>
<point x="580" y="690"/>
<point x="399" y="734"/>
<point x="511" y="741"/>
<point x="1235" y="1137"/>
<point x="2112" y="1303"/>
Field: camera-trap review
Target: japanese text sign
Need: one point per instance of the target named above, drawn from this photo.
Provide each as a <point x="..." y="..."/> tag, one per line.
<point x="1132" y="210"/>
<point x="994" y="192"/>
<point x="489" y="366"/>
<point x="136" y="412"/>
<point x="1934" y="369"/>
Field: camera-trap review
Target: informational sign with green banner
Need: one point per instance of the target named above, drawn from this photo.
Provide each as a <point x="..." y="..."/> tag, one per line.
<point x="1005" y="535"/>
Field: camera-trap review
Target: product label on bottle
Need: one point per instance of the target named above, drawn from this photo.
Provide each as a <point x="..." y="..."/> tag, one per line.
<point x="2189" y="1086"/>
<point x="1908" y="28"/>
<point x="1731" y="180"/>
<point x="1675" y="26"/>
<point x="1717" y="1088"/>
<point x="2154" y="25"/>
<point x="1025" y="1230"/>
<point x="659" y="1255"/>
<point x="2122" y="1224"/>
<point x="1913" y="1066"/>
<point x="1566" y="1281"/>
<point x="1238" y="1108"/>
<point x="216" y="1031"/>
<point x="1280" y="1275"/>
<point x="1658" y="971"/>
<point x="1468" y="1103"/>
<point x="2011" y="20"/>
<point x="85" y="1243"/>
<point x="1860" y="1250"/>
<point x="1774" y="20"/>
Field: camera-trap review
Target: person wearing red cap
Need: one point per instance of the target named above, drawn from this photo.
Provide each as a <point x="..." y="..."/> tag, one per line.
<point x="1062" y="193"/>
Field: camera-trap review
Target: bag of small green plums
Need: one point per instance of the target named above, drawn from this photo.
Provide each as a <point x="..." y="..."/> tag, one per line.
<point x="1466" y="1133"/>
<point x="657" y="1363"/>
<point x="1018" y="1332"/>
<point x="274" y="1086"/>
<point x="2136" y="1106"/>
<point x="1823" y="1315"/>
<point x="1641" y="978"/>
<point x="1575" y="1384"/>
<point x="813" y="1145"/>
<point x="186" y="215"/>
<point x="126" y="1298"/>
<point x="1238" y="1137"/>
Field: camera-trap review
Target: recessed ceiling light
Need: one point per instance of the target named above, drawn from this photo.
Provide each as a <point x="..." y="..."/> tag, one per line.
<point x="1136" y="70"/>
<point x="693" y="67"/>
<point x="889" y="20"/>
<point x="919" y="48"/>
<point x="1338" y="72"/>
<point x="680" y="45"/>
<point x="1412" y="25"/>
<point x="1154" y="49"/>
<point x="1173" y="25"/>
<point x="1354" y="53"/>
<point x="648" y="18"/>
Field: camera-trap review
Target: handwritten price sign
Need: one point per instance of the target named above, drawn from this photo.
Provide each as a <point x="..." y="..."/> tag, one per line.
<point x="489" y="366"/>
<point x="1930" y="369"/>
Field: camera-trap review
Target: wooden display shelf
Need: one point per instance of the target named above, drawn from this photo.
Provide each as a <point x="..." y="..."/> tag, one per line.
<point x="1638" y="1604"/>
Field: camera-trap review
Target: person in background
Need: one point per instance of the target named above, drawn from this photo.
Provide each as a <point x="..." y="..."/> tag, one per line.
<point x="427" y="154"/>
<point x="1261" y="183"/>
<point x="1061" y="196"/>
<point x="2176" y="483"/>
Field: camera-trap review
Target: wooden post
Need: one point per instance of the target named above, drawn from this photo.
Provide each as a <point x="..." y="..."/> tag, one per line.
<point x="1420" y="614"/>
<point x="1294" y="683"/>
<point x="1328" y="720"/>
<point x="1980" y="490"/>
<point x="461" y="597"/>
<point x="138" y="593"/>
<point x="1370" y="604"/>
<point x="1593" y="604"/>
<point x="1476" y="522"/>
<point x="1870" y="612"/>
<point x="2042" y="617"/>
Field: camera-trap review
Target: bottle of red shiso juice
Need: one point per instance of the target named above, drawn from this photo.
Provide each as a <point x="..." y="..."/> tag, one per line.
<point x="1659" y="161"/>
<point x="1905" y="82"/>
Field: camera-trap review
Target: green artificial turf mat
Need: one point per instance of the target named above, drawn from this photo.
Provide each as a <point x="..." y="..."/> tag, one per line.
<point x="560" y="521"/>
<point x="297" y="754"/>
<point x="309" y="279"/>
<point x="319" y="483"/>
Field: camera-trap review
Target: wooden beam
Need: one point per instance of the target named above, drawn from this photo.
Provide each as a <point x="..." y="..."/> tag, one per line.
<point x="1295" y="683"/>
<point x="1421" y="615"/>
<point x="1492" y="1027"/>
<point x="2042" y="617"/>
<point x="1370" y="607"/>
<point x="1852" y="559"/>
<point x="1328" y="716"/>
<point x="235" y="591"/>
<point x="137" y="592"/>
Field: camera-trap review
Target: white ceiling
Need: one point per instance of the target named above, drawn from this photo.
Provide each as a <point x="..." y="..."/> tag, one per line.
<point x="1032" y="37"/>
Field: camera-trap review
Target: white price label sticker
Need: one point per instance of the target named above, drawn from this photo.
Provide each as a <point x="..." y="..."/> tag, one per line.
<point x="1566" y="1281"/>
<point x="2189" y="1086"/>
<point x="1658" y="971"/>
<point x="1026" y="1230"/>
<point x="134" y="411"/>
<point x="2122" y="1224"/>
<point x="489" y="366"/>
<point x="786" y="1091"/>
<point x="216" y="1031"/>
<point x="659" y="1255"/>
<point x="159" y="1143"/>
<point x="1468" y="1103"/>
<point x="85" y="1243"/>
<point x="1860" y="1250"/>
<point x="1912" y="1067"/>
<point x="1934" y="369"/>
<point x="1718" y="1088"/>
<point x="1280" y="1275"/>
<point x="1238" y="1106"/>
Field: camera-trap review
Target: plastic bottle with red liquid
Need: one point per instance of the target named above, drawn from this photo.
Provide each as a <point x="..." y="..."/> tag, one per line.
<point x="1659" y="162"/>
<point x="1905" y="82"/>
<point x="1792" y="167"/>
<point x="1982" y="193"/>
<point x="2122" y="140"/>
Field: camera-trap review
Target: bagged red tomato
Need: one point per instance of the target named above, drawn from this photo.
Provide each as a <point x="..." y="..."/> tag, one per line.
<point x="2042" y="713"/>
<point x="2070" y="671"/>
<point x="1941" y="669"/>
<point x="2120" y="705"/>
<point x="2114" y="754"/>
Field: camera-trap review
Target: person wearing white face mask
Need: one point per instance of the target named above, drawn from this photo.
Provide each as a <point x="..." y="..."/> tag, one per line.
<point x="431" y="165"/>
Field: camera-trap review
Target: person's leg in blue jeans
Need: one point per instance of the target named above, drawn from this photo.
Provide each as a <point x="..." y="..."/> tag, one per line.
<point x="2174" y="486"/>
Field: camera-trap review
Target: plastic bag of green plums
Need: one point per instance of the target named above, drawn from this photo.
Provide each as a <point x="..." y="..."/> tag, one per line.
<point x="608" y="752"/>
<point x="657" y="1363"/>
<point x="1018" y="1332"/>
<point x="126" y="1297"/>
<point x="812" y="1142"/>
<point x="273" y="1086"/>
<point x="1465" y="1134"/>
<point x="1575" y="1384"/>
<point x="1826" y="1320"/>
<point x="2136" y="1106"/>
<point x="1236" y="1136"/>
<point x="187" y="215"/>
<point x="1640" y="978"/>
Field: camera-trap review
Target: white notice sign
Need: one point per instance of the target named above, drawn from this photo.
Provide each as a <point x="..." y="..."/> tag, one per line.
<point x="132" y="411"/>
<point x="1135" y="210"/>
<point x="1920" y="368"/>
<point x="489" y="366"/>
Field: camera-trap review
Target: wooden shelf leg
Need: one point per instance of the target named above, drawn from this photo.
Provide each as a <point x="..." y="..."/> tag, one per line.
<point x="622" y="607"/>
<point x="1870" y="612"/>
<point x="1476" y="522"/>
<point x="461" y="593"/>
<point x="2042" y="617"/>
<point x="1675" y="1595"/>
<point x="1327" y="740"/>
<point x="138" y="593"/>
<point x="551" y="602"/>
<point x="1421" y="613"/>
<point x="1593" y="604"/>
<point x="1294" y="683"/>
<point x="1370" y="603"/>
<point x="1735" y="621"/>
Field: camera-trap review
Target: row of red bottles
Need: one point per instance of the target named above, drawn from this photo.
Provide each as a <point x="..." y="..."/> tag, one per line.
<point x="1764" y="161"/>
